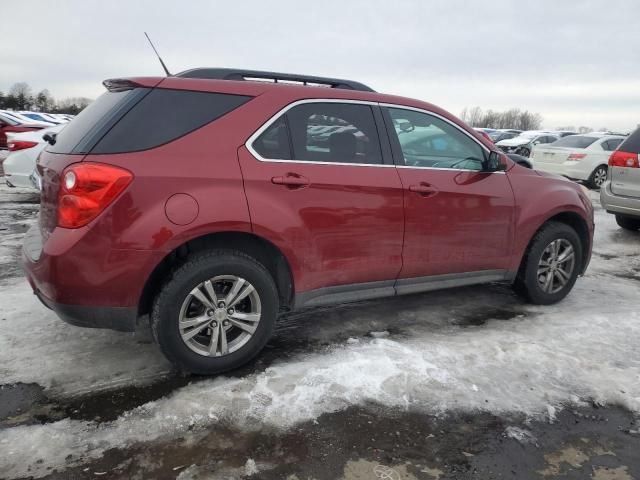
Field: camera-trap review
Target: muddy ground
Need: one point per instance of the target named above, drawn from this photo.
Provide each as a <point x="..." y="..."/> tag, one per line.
<point x="577" y="440"/>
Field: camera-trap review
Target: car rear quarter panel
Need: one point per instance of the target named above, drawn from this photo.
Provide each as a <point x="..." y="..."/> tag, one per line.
<point x="539" y="198"/>
<point x="120" y="249"/>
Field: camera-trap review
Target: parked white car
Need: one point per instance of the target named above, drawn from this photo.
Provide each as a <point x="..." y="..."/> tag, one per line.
<point x="24" y="149"/>
<point x="578" y="157"/>
<point x="525" y="141"/>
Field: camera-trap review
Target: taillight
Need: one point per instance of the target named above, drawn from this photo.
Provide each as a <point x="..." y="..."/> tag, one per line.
<point x="575" y="157"/>
<point x="86" y="189"/>
<point x="624" y="159"/>
<point x="20" y="145"/>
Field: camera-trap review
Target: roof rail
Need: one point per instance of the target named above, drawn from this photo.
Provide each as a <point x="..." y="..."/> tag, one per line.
<point x="234" y="74"/>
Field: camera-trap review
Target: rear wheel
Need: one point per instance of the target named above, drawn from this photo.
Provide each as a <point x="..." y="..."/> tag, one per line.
<point x="551" y="265"/>
<point x="598" y="177"/>
<point x="216" y="313"/>
<point x="628" y="223"/>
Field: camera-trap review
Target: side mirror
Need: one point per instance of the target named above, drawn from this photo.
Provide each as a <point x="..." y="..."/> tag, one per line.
<point x="406" y="126"/>
<point x="494" y="163"/>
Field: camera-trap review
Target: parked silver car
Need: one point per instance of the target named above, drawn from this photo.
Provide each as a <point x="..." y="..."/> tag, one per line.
<point x="620" y="194"/>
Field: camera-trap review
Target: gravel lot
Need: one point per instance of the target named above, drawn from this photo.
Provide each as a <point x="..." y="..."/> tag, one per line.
<point x="465" y="383"/>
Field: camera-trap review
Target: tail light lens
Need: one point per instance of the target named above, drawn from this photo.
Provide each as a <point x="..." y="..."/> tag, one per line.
<point x="86" y="189"/>
<point x="20" y="145"/>
<point x="576" y="157"/>
<point x="624" y="159"/>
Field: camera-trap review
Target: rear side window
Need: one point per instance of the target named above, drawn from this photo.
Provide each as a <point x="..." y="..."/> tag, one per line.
<point x="165" y="115"/>
<point x="274" y="143"/>
<point x="612" y="144"/>
<point x="575" y="141"/>
<point x="323" y="132"/>
<point x="632" y="143"/>
<point x="82" y="133"/>
<point x="140" y="119"/>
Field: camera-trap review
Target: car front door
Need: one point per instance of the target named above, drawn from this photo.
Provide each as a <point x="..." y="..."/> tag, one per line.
<point x="458" y="218"/>
<point x="319" y="187"/>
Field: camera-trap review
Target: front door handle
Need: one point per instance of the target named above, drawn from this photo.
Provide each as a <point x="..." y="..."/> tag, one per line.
<point x="291" y="180"/>
<point x="425" y="189"/>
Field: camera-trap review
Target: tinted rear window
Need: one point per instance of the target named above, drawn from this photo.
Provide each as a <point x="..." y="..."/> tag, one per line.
<point x="163" y="116"/>
<point x="140" y="119"/>
<point x="632" y="143"/>
<point x="82" y="133"/>
<point x="575" y="141"/>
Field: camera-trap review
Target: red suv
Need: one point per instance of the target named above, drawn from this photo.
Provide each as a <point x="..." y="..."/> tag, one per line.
<point x="214" y="200"/>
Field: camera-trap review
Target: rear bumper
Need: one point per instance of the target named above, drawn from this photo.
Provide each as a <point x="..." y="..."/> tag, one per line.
<point x="122" y="319"/>
<point x="85" y="282"/>
<point x="571" y="170"/>
<point x="619" y="204"/>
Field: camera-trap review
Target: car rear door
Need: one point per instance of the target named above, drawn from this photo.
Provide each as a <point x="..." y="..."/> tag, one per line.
<point x="320" y="187"/>
<point x="624" y="167"/>
<point x="458" y="219"/>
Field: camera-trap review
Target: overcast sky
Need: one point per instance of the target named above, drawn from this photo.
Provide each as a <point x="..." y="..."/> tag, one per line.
<point x="574" y="62"/>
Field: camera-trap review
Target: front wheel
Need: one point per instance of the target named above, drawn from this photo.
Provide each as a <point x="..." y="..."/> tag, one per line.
<point x="598" y="177"/>
<point x="551" y="264"/>
<point x="216" y="312"/>
<point x="524" y="151"/>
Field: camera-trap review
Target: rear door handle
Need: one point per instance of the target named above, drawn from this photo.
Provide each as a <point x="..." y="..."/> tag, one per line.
<point x="291" y="180"/>
<point x="425" y="189"/>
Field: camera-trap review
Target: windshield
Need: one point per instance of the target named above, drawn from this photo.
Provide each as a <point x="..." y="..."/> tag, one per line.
<point x="575" y="141"/>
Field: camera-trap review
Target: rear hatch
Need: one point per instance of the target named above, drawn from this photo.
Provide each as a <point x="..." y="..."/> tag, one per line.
<point x="624" y="167"/>
<point x="77" y="139"/>
<point x="132" y="116"/>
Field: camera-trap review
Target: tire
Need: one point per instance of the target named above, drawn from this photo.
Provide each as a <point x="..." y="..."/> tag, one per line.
<point x="628" y="223"/>
<point x="598" y="177"/>
<point x="176" y="301"/>
<point x="525" y="152"/>
<point x="529" y="284"/>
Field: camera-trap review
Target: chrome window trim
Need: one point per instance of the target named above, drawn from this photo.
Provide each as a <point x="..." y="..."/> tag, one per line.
<point x="282" y="111"/>
<point x="249" y="143"/>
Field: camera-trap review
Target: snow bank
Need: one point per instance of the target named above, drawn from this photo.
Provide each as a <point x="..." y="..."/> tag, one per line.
<point x="528" y="365"/>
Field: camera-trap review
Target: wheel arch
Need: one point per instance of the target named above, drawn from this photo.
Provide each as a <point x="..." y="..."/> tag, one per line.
<point x="261" y="249"/>
<point x="575" y="221"/>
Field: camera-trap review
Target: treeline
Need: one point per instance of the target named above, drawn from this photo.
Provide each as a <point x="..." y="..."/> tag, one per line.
<point x="21" y="97"/>
<point x="513" y="118"/>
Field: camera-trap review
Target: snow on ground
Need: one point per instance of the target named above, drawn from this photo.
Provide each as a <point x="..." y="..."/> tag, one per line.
<point x="435" y="359"/>
<point x="65" y="359"/>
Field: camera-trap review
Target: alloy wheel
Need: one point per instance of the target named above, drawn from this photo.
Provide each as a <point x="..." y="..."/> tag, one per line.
<point x="599" y="176"/>
<point x="556" y="265"/>
<point x="219" y="316"/>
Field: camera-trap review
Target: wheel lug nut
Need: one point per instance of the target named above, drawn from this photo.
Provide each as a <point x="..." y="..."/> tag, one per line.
<point x="214" y="324"/>
<point x="220" y="304"/>
<point x="231" y="311"/>
<point x="225" y="323"/>
<point x="210" y="313"/>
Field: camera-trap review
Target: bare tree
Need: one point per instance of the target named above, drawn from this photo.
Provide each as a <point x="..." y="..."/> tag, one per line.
<point x="512" y="118"/>
<point x="44" y="101"/>
<point x="21" y="93"/>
